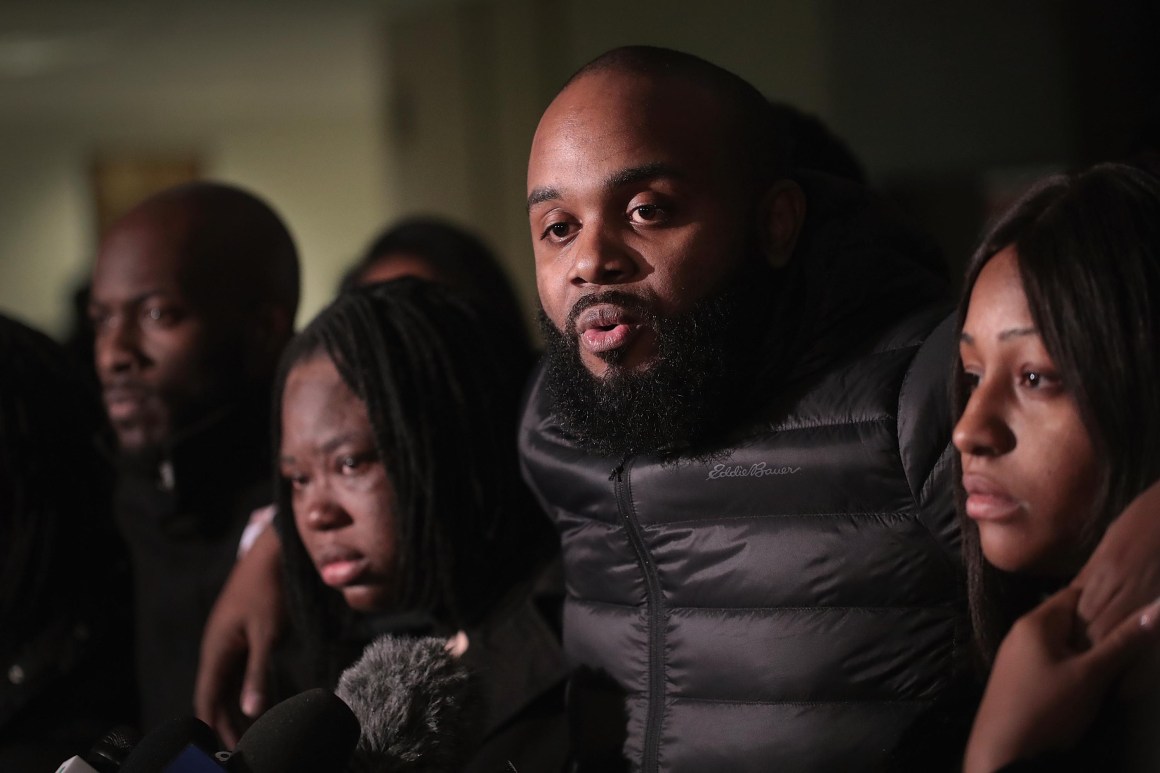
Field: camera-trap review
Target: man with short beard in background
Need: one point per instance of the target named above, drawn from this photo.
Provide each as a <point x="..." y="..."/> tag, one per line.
<point x="741" y="432"/>
<point x="194" y="296"/>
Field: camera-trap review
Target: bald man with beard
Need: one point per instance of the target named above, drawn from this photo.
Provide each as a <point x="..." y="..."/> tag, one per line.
<point x="193" y="298"/>
<point x="741" y="430"/>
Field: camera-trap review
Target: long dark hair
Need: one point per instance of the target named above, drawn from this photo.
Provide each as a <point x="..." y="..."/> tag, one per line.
<point x="55" y="486"/>
<point x="442" y="389"/>
<point x="1088" y="248"/>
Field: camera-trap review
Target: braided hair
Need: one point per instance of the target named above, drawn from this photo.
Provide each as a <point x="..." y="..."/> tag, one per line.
<point x="442" y="390"/>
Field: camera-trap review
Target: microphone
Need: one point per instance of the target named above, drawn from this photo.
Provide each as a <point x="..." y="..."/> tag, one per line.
<point x="106" y="755"/>
<point x="313" y="732"/>
<point x="113" y="748"/>
<point x="418" y="704"/>
<point x="182" y="745"/>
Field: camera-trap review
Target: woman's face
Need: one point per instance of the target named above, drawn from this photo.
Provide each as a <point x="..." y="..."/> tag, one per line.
<point x="1028" y="467"/>
<point x="341" y="496"/>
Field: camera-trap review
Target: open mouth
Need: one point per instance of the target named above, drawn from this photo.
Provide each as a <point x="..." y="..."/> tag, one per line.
<point x="606" y="327"/>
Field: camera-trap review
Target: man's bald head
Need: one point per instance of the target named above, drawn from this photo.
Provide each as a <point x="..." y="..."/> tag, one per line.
<point x="229" y="243"/>
<point x="747" y="123"/>
<point x="657" y="209"/>
<point x="194" y="296"/>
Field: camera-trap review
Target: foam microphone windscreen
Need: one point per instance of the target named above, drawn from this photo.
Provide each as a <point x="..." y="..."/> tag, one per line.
<point x="419" y="706"/>
<point x="313" y="732"/>
<point x="165" y="744"/>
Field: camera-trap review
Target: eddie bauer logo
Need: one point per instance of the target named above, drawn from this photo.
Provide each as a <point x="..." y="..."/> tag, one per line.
<point x="759" y="470"/>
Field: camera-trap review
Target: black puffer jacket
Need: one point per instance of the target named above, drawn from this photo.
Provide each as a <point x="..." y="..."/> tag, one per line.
<point x="793" y="602"/>
<point x="183" y="540"/>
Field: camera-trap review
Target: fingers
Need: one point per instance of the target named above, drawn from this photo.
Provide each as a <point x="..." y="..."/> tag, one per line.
<point x="1149" y="616"/>
<point x="1045" y="634"/>
<point x="210" y="695"/>
<point x="253" y="699"/>
<point x="203" y="692"/>
<point x="231" y="685"/>
<point x="1121" y="600"/>
<point x="1114" y="611"/>
<point x="1124" y="569"/>
<point x="224" y="729"/>
<point x="1126" y="641"/>
<point x="1056" y="616"/>
<point x="1097" y="588"/>
<point x="205" y="700"/>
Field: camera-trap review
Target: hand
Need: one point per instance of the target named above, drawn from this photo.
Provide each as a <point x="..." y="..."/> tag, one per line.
<point x="239" y="635"/>
<point x="1044" y="691"/>
<point x="1123" y="572"/>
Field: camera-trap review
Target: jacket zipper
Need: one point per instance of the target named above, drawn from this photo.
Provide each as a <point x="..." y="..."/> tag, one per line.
<point x="656" y="633"/>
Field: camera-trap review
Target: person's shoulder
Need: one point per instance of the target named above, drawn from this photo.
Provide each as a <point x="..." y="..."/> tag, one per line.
<point x="924" y="421"/>
<point x="927" y="377"/>
<point x="517" y="649"/>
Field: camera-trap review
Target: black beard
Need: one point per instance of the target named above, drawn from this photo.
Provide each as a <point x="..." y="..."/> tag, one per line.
<point x="707" y="359"/>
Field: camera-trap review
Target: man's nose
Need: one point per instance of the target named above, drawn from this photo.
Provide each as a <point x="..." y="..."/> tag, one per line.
<point x="983" y="429"/>
<point x="117" y="345"/>
<point x="602" y="257"/>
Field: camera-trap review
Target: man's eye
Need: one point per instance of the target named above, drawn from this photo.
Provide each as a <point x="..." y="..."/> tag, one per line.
<point x="158" y="315"/>
<point x="557" y="230"/>
<point x="647" y="213"/>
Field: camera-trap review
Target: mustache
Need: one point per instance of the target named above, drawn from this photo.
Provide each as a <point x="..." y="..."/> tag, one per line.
<point x="122" y="384"/>
<point x="636" y="304"/>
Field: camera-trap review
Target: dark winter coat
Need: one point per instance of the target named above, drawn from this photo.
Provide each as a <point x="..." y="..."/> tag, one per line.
<point x="182" y="516"/>
<point x="786" y="595"/>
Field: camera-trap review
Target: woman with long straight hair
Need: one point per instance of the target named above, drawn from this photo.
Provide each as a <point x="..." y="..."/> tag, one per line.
<point x="1058" y="393"/>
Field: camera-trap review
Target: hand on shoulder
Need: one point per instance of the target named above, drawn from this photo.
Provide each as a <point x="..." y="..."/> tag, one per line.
<point x="1123" y="572"/>
<point x="1046" y="688"/>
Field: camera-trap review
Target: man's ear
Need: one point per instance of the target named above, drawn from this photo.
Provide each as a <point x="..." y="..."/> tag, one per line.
<point x="782" y="210"/>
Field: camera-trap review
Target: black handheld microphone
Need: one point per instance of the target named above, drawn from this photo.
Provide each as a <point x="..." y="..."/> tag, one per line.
<point x="182" y="745"/>
<point x="106" y="755"/>
<point x="417" y="703"/>
<point x="113" y="748"/>
<point x="313" y="732"/>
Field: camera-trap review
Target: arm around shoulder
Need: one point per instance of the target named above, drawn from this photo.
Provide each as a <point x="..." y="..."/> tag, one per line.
<point x="246" y="621"/>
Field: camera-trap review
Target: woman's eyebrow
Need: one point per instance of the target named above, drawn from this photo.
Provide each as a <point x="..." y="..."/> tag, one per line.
<point x="1013" y="332"/>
